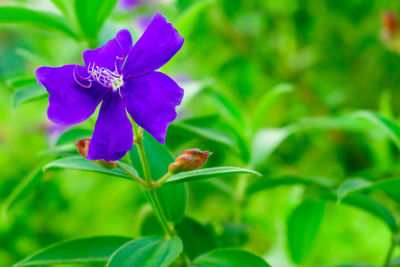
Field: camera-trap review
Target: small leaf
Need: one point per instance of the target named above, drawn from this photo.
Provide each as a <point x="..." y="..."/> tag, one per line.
<point x="22" y="189"/>
<point x="352" y="185"/>
<point x="188" y="19"/>
<point x="28" y="94"/>
<point x="265" y="142"/>
<point x="91" y="249"/>
<point x="10" y="14"/>
<point x="72" y="136"/>
<point x="269" y="183"/>
<point x="196" y="238"/>
<point x="91" y="15"/>
<point x="229" y="257"/>
<point x="302" y="228"/>
<point x="373" y="207"/>
<point x="80" y="163"/>
<point x="264" y="105"/>
<point x="147" y="252"/>
<point x="207" y="173"/>
<point x="390" y="127"/>
<point x="172" y="198"/>
<point x="20" y="81"/>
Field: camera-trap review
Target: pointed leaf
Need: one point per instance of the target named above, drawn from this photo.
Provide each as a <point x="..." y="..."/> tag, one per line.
<point x="229" y="257"/>
<point x="206" y="173"/>
<point x="147" y="252"/>
<point x="80" y="163"/>
<point x="28" y="94"/>
<point x="12" y="14"/>
<point x="91" y="249"/>
<point x="352" y="185"/>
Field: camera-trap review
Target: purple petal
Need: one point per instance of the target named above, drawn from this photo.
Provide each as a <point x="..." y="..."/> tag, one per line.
<point x="158" y="44"/>
<point x="151" y="100"/>
<point x="69" y="103"/>
<point x="112" y="53"/>
<point x="113" y="135"/>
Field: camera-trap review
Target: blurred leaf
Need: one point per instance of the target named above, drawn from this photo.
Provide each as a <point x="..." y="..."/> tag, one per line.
<point x="80" y="163"/>
<point x="27" y="185"/>
<point x="265" y="142"/>
<point x="172" y="198"/>
<point x="208" y="133"/>
<point x="229" y="257"/>
<point x="91" y="15"/>
<point x="351" y="185"/>
<point x="267" y="101"/>
<point x="91" y="249"/>
<point x="28" y="94"/>
<point x="196" y="238"/>
<point x="10" y="14"/>
<point x="147" y="252"/>
<point x="390" y="127"/>
<point x="373" y="207"/>
<point x="345" y="122"/>
<point x="32" y="57"/>
<point x="72" y="136"/>
<point x="302" y="228"/>
<point x="20" y="81"/>
<point x="188" y="19"/>
<point x="229" y="110"/>
<point x="206" y="173"/>
<point x="391" y="187"/>
<point x="269" y="183"/>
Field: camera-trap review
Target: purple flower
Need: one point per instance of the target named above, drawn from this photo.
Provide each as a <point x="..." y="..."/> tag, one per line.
<point x="127" y="4"/>
<point x="124" y="79"/>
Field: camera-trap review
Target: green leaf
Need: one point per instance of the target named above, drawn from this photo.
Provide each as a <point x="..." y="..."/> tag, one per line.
<point x="208" y="133"/>
<point x="391" y="187"/>
<point x="172" y="198"/>
<point x="27" y="185"/>
<point x="80" y="163"/>
<point x="91" y="15"/>
<point x="265" y="142"/>
<point x="10" y="14"/>
<point x="269" y="183"/>
<point x="91" y="249"/>
<point x="20" y="81"/>
<point x="188" y="19"/>
<point x="28" y="94"/>
<point x="352" y="185"/>
<point x="266" y="102"/>
<point x="72" y="136"/>
<point x="147" y="252"/>
<point x="207" y="173"/>
<point x="229" y="257"/>
<point x="373" y="207"/>
<point x="390" y="127"/>
<point x="196" y="238"/>
<point x="302" y="228"/>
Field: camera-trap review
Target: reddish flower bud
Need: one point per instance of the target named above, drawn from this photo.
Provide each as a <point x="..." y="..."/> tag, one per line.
<point x="83" y="148"/>
<point x="389" y="22"/>
<point x="189" y="160"/>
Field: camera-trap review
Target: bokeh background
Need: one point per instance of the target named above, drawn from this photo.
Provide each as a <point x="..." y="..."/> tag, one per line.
<point x="291" y="70"/>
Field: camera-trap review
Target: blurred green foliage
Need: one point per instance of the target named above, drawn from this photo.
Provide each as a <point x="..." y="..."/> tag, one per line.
<point x="275" y="86"/>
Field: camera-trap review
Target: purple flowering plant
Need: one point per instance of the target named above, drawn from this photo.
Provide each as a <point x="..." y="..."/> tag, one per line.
<point x="137" y="105"/>
<point x="124" y="78"/>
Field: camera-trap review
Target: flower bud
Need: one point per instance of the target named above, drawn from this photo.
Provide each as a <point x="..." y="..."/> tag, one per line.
<point x="83" y="148"/>
<point x="389" y="22"/>
<point x="189" y="160"/>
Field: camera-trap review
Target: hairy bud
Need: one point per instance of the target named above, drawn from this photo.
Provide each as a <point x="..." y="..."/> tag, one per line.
<point x="83" y="148"/>
<point x="189" y="160"/>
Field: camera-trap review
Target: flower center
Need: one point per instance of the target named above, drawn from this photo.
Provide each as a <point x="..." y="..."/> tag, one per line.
<point x="102" y="76"/>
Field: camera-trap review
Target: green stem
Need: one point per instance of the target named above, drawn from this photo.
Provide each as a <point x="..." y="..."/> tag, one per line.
<point x="390" y="252"/>
<point x="132" y="175"/>
<point x="150" y="189"/>
<point x="151" y="194"/>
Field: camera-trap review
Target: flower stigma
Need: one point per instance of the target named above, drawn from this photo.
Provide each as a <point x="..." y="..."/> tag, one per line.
<point x="102" y="76"/>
